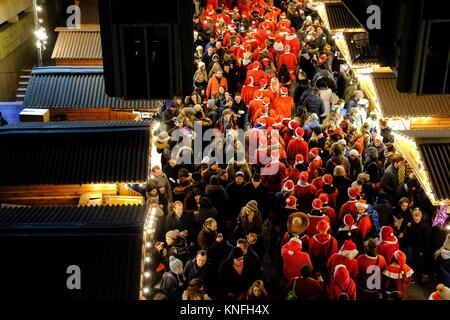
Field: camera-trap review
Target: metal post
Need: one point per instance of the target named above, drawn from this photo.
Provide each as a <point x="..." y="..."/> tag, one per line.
<point x="36" y="27"/>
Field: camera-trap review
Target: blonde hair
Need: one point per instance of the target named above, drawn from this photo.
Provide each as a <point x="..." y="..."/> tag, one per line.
<point x="339" y="171"/>
<point x="260" y="285"/>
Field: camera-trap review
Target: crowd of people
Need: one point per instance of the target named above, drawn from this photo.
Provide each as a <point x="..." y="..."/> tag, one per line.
<point x="341" y="217"/>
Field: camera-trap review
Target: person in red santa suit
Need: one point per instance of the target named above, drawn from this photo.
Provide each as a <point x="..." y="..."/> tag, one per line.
<point x="248" y="91"/>
<point x="341" y="283"/>
<point x="297" y="224"/>
<point x="289" y="60"/>
<point x="346" y="256"/>
<point x="364" y="221"/>
<point x="264" y="113"/>
<point x="441" y="293"/>
<point x="237" y="49"/>
<point x="293" y="41"/>
<point x="278" y="144"/>
<point x="255" y="104"/>
<point x="306" y="287"/>
<point x="256" y="74"/>
<point x="366" y="263"/>
<point x="388" y="244"/>
<point x="305" y="192"/>
<point x="350" y="206"/>
<point x="298" y="167"/>
<point x="321" y="246"/>
<point x="315" y="165"/>
<point x="397" y="275"/>
<point x="315" y="216"/>
<point x="288" y="132"/>
<point x="230" y="36"/>
<point x="329" y="189"/>
<point x="327" y="210"/>
<point x="349" y="231"/>
<point x="298" y="146"/>
<point x="294" y="259"/>
<point x="208" y="13"/>
<point x="284" y="104"/>
<point x="265" y="89"/>
<point x="278" y="47"/>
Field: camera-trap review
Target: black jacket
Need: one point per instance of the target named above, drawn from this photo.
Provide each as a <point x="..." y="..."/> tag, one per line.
<point x="180" y="224"/>
<point x="231" y="282"/>
<point x="234" y="193"/>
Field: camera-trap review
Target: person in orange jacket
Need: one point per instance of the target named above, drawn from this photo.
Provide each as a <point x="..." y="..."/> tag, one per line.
<point x="216" y="81"/>
<point x="284" y="104"/>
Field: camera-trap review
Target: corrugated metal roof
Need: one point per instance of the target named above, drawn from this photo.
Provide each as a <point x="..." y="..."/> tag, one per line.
<point x="74" y="154"/>
<point x="72" y="217"/>
<point x="434" y="149"/>
<point x="71" y="125"/>
<point x="340" y="18"/>
<point x="79" y="44"/>
<point x="398" y="104"/>
<point x="75" y="87"/>
<point x="104" y="242"/>
<point x="89" y="12"/>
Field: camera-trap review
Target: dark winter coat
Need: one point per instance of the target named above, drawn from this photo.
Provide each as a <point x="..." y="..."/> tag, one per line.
<point x="231" y="282"/>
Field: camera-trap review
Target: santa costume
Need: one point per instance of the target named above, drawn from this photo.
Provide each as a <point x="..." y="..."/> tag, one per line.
<point x="349" y="231"/>
<point x="248" y="90"/>
<point x="397" y="275"/>
<point x="321" y="246"/>
<point x="298" y="146"/>
<point x="341" y="283"/>
<point x="366" y="263"/>
<point x="294" y="259"/>
<point x="305" y="192"/>
<point x="364" y="220"/>
<point x="276" y="173"/>
<point x="315" y="216"/>
<point x="256" y="73"/>
<point x="284" y="104"/>
<point x="255" y="103"/>
<point x="441" y="293"/>
<point x="289" y="60"/>
<point x="327" y="210"/>
<point x="346" y="256"/>
<point x="293" y="41"/>
<point x="329" y="189"/>
<point x="350" y="206"/>
<point x="388" y="243"/>
<point x="294" y="172"/>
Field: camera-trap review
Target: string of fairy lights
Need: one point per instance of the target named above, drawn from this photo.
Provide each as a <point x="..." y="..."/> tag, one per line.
<point x="39" y="31"/>
<point x="149" y="229"/>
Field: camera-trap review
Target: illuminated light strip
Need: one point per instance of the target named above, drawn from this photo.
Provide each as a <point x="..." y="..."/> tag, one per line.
<point x="408" y="148"/>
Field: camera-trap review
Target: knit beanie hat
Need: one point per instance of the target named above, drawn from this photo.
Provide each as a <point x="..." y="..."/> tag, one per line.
<point x="175" y="264"/>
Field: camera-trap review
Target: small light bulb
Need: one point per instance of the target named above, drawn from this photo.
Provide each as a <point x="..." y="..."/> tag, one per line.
<point x="141" y="185"/>
<point x="147" y="259"/>
<point x="148" y="245"/>
<point x="147" y="274"/>
<point x="146" y="290"/>
<point x="38" y="8"/>
<point x="40" y="20"/>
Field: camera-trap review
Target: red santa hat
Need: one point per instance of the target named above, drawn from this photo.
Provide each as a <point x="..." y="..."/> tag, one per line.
<point x="284" y="91"/>
<point x="348" y="249"/>
<point x="261" y="13"/>
<point x="249" y="81"/>
<point x="315" y="152"/>
<point x="263" y="83"/>
<point x="400" y="256"/>
<point x="323" y="226"/>
<point x="353" y="192"/>
<point x="327" y="179"/>
<point x="248" y="47"/>
<point x="349" y="221"/>
<point x="294" y="244"/>
<point x="292" y="31"/>
<point x="387" y="234"/>
<point x="293" y="125"/>
<point x="299" y="159"/>
<point x="341" y="275"/>
<point x="264" y="109"/>
<point x="291" y="202"/>
<point x="317" y="204"/>
<point x="299" y="132"/>
<point x="283" y="15"/>
<point x="237" y="40"/>
<point x="324" y="198"/>
<point x="258" y="95"/>
<point x="338" y="131"/>
<point x="288" y="185"/>
<point x="266" y="102"/>
<point x="232" y="26"/>
<point x="255" y="65"/>
<point x="304" y="176"/>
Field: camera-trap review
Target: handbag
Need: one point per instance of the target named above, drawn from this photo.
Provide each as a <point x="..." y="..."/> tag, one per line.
<point x="292" y="294"/>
